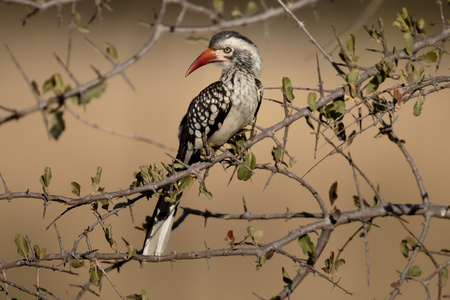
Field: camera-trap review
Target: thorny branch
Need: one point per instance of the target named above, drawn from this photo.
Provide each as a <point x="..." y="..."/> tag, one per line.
<point x="325" y="222"/>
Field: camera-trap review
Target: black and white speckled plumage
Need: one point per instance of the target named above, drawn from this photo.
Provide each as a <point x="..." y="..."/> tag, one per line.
<point x="215" y="115"/>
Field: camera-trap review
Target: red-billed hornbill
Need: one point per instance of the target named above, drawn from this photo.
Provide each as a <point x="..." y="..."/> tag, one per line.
<point x="213" y="117"/>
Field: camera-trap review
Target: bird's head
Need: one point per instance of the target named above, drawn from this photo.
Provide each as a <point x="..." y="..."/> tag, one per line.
<point x="231" y="49"/>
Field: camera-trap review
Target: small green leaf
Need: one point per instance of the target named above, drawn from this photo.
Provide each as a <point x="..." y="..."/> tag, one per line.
<point x="108" y="234"/>
<point x="351" y="46"/>
<point x="95" y="276"/>
<point x="404" y="248"/>
<point x="250" y="230"/>
<point x="40" y="252"/>
<point x="131" y="251"/>
<point x="419" y="105"/>
<point x="409" y="42"/>
<point x="293" y="161"/>
<point x="46" y="178"/>
<point x="142" y="296"/>
<point x="287" y="90"/>
<point x="54" y="83"/>
<point x="58" y="125"/>
<point x="352" y="77"/>
<point x="252" y="8"/>
<point x="111" y="51"/>
<point x="93" y="92"/>
<point x="445" y="275"/>
<point x="286" y="278"/>
<point x="430" y="57"/>
<point x="205" y="192"/>
<point x="339" y="263"/>
<point x="76" y="188"/>
<point x="307" y="247"/>
<point x="235" y="14"/>
<point x="414" y="271"/>
<point x="22" y="245"/>
<point x="335" y="109"/>
<point x="276" y="153"/>
<point x="76" y="263"/>
<point x="311" y="100"/>
<point x="244" y="173"/>
<point x="95" y="181"/>
<point x="257" y="235"/>
<point x="83" y="29"/>
<point x="218" y="6"/>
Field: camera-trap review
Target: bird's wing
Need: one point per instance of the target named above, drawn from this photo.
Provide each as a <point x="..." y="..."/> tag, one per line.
<point x="205" y="115"/>
<point x="260" y="88"/>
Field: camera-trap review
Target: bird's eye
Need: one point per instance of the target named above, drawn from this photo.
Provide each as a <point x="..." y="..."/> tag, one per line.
<point x="227" y="50"/>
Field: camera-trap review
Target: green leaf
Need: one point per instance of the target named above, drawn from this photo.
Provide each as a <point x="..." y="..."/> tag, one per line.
<point x="244" y="173"/>
<point x="54" y="83"/>
<point x="95" y="276"/>
<point x="40" y="252"/>
<point x="235" y="14"/>
<point x="83" y="29"/>
<point x="307" y="247"/>
<point x="335" y="109"/>
<point x="22" y="245"/>
<point x="95" y="181"/>
<point x="352" y="77"/>
<point x="142" y="296"/>
<point x="418" y="106"/>
<point x="76" y="188"/>
<point x="351" y="46"/>
<point x="111" y="51"/>
<point x="57" y="125"/>
<point x="76" y="263"/>
<point x="311" y="100"/>
<point x="250" y="230"/>
<point x="374" y="83"/>
<point x="409" y="42"/>
<point x="93" y="92"/>
<point x="339" y="263"/>
<point x="293" y="161"/>
<point x="257" y="235"/>
<point x="445" y="275"/>
<point x="286" y="278"/>
<point x="131" y="251"/>
<point x="252" y="8"/>
<point x="108" y="234"/>
<point x="430" y="57"/>
<point x="287" y="90"/>
<point x="404" y="248"/>
<point x="46" y="178"/>
<point x="389" y="63"/>
<point x="414" y="271"/>
<point x="218" y="6"/>
<point x="205" y="192"/>
<point x="276" y="153"/>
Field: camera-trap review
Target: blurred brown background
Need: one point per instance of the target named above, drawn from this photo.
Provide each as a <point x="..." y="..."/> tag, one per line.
<point x="154" y="110"/>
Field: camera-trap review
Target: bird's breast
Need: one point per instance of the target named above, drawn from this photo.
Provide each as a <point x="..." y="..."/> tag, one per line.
<point x="244" y="102"/>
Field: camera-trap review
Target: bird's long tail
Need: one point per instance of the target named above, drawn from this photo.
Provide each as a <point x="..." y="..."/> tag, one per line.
<point x="160" y="226"/>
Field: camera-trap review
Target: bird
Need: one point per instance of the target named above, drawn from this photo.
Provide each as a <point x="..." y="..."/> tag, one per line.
<point x="213" y="117"/>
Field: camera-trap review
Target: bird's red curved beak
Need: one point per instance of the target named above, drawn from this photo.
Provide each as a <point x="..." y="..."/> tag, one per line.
<point x="208" y="56"/>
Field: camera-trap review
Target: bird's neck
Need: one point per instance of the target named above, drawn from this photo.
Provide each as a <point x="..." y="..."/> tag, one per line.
<point x="232" y="73"/>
